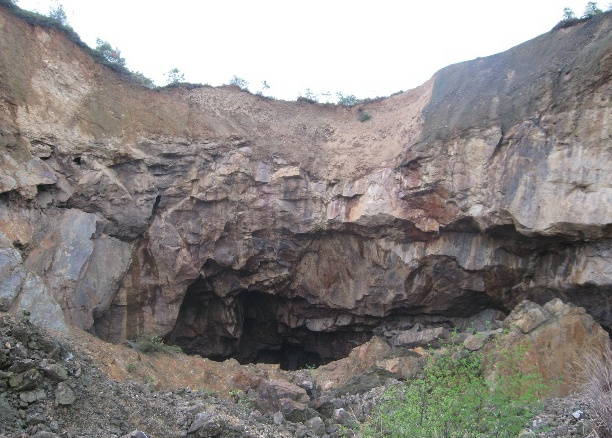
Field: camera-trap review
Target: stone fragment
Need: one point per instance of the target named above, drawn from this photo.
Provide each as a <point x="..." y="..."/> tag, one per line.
<point x="25" y="381"/>
<point x="278" y="417"/>
<point x="64" y="396"/>
<point x="22" y="365"/>
<point x="135" y="434"/>
<point x="476" y="341"/>
<point x="341" y="416"/>
<point x="207" y="424"/>
<point x="8" y="414"/>
<point x="33" y="396"/>
<point x="412" y="338"/>
<point x="54" y="371"/>
<point x="275" y="390"/>
<point x="364" y="382"/>
<point x="293" y="411"/>
<point x="316" y="425"/>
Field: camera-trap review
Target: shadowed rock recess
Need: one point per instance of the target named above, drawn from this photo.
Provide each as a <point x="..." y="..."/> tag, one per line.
<point x="239" y="226"/>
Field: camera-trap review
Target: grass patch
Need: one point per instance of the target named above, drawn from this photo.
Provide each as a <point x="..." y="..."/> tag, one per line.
<point x="597" y="384"/>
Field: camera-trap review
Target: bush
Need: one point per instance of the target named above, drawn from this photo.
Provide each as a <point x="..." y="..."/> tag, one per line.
<point x="364" y="117"/>
<point x="142" y="79"/>
<point x="597" y="376"/>
<point x="239" y="82"/>
<point x="453" y="399"/>
<point x="349" y="100"/>
<point x="155" y="344"/>
<point x="107" y="52"/>
<point x="309" y="96"/>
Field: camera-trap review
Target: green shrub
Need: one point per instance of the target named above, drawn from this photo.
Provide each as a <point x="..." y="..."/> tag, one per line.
<point x="364" y="117"/>
<point x="155" y="344"/>
<point x="350" y="100"/>
<point x="109" y="53"/>
<point x="453" y="399"/>
<point x="239" y="82"/>
<point x="309" y="96"/>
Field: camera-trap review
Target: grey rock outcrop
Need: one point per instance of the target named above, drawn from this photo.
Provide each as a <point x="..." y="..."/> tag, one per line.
<point x="238" y="226"/>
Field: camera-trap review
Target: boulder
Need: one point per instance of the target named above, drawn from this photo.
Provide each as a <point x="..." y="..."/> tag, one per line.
<point x="64" y="395"/>
<point x="207" y="425"/>
<point x="376" y="354"/>
<point x="557" y="339"/>
<point x="281" y="395"/>
<point x="426" y="337"/>
<point x="25" y="381"/>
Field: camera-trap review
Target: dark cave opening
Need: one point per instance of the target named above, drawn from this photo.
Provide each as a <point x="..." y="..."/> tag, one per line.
<point x="246" y="327"/>
<point x="289" y="357"/>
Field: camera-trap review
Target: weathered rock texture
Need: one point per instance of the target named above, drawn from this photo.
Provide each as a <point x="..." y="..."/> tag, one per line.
<point x="237" y="225"/>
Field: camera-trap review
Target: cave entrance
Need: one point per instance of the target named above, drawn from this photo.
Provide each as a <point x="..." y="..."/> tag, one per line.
<point x="246" y="327"/>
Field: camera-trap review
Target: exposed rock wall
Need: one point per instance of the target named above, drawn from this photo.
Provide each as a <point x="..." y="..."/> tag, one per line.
<point x="238" y="225"/>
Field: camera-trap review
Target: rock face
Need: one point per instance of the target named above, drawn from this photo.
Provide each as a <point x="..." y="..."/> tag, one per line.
<point x="240" y="226"/>
<point x="560" y="339"/>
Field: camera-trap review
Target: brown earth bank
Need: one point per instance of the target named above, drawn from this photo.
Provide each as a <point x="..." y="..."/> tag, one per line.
<point x="238" y="226"/>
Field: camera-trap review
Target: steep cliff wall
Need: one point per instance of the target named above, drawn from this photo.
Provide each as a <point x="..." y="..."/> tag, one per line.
<point x="242" y="226"/>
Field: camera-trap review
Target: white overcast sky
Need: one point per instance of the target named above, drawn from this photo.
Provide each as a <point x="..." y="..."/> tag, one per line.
<point x="366" y="48"/>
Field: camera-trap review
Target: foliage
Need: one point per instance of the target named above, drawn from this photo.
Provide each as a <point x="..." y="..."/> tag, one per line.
<point x="132" y="367"/>
<point x="364" y="117"/>
<point x="597" y="384"/>
<point x="110" y="54"/>
<point x="155" y="344"/>
<point x="239" y="82"/>
<point x="55" y="20"/>
<point x="310" y="96"/>
<point x="591" y="9"/>
<point x="174" y="76"/>
<point x="348" y="100"/>
<point x="453" y="399"/>
<point x="58" y="14"/>
<point x="139" y="77"/>
<point x="568" y="14"/>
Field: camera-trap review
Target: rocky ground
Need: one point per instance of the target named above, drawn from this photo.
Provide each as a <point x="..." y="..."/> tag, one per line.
<point x="60" y="386"/>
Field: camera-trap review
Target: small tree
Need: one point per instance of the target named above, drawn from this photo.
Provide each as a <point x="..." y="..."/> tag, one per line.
<point x="174" y="76"/>
<point x="343" y="99"/>
<point x="591" y="10"/>
<point x="568" y="14"/>
<point x="239" y="82"/>
<point x="58" y="14"/>
<point x="110" y="54"/>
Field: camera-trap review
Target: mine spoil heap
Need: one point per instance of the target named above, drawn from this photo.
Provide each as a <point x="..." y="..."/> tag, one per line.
<point x="238" y="226"/>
